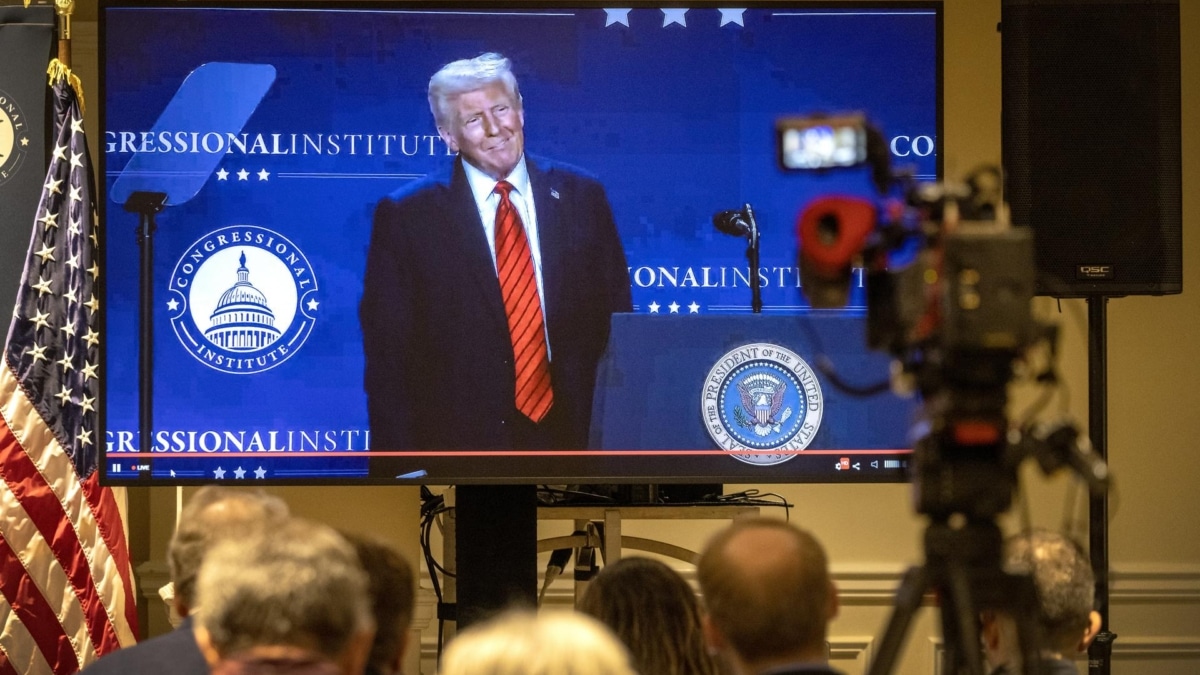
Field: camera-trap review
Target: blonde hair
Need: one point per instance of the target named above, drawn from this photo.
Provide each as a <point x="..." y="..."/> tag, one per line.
<point x="550" y="643"/>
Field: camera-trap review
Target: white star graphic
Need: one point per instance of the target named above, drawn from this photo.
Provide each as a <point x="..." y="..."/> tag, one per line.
<point x="94" y="270"/>
<point x="73" y="261"/>
<point x="50" y="219"/>
<point x="75" y="227"/>
<point x="92" y="337"/>
<point x="63" y="396"/>
<point x="60" y="152"/>
<point x="40" y="321"/>
<point x="93" y="304"/>
<point x="219" y="472"/>
<point x="243" y="175"/>
<point x="76" y="194"/>
<point x="66" y="365"/>
<point x="732" y="16"/>
<point x="671" y="16"/>
<point x="694" y="308"/>
<point x="69" y="296"/>
<point x="69" y="329"/>
<point x="77" y="126"/>
<point x="239" y="473"/>
<point x="674" y="307"/>
<point x="654" y="307"/>
<point x="172" y="304"/>
<point x="222" y="175"/>
<point x="312" y="305"/>
<point x="263" y="174"/>
<point x="76" y="160"/>
<point x="85" y="437"/>
<point x="52" y="185"/>
<point x="260" y="472"/>
<point x="89" y="371"/>
<point x="87" y="402"/>
<point x="620" y="16"/>
<point x="24" y="141"/>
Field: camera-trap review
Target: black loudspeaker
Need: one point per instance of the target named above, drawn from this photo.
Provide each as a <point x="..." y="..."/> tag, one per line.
<point x="1091" y="137"/>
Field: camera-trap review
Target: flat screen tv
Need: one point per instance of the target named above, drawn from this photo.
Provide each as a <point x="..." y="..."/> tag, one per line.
<point x="271" y="131"/>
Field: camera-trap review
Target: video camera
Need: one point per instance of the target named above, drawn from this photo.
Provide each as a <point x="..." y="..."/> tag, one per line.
<point x="949" y="284"/>
<point x="949" y="287"/>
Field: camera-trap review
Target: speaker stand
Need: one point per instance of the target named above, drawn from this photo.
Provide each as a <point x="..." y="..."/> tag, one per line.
<point x="1100" y="651"/>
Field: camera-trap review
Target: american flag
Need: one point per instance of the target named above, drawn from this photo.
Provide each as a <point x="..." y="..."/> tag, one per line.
<point x="66" y="596"/>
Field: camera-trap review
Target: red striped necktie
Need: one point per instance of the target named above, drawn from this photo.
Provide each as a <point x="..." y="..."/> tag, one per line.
<point x="518" y="287"/>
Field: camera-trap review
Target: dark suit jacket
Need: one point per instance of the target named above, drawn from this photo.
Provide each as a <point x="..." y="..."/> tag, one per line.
<point x="176" y="653"/>
<point x="439" y="359"/>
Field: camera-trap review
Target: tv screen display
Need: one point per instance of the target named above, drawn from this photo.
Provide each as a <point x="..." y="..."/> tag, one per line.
<point x="306" y="196"/>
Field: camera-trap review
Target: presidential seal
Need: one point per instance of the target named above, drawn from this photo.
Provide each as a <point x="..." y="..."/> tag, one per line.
<point x="14" y="137"/>
<point x="243" y="299"/>
<point x="761" y="403"/>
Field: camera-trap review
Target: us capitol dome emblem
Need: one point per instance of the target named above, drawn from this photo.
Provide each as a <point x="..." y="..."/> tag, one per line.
<point x="761" y="402"/>
<point x="243" y="299"/>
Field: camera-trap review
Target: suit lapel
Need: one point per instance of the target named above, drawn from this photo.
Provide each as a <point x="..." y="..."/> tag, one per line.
<point x="469" y="239"/>
<point x="552" y="238"/>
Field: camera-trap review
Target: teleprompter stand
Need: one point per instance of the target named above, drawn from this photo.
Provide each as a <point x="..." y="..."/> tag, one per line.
<point x="146" y="205"/>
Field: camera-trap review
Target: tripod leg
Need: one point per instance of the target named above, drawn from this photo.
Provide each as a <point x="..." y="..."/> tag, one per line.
<point x="908" y="601"/>
<point x="960" y="628"/>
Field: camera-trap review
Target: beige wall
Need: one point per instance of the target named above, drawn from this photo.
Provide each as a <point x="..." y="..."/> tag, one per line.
<point x="868" y="529"/>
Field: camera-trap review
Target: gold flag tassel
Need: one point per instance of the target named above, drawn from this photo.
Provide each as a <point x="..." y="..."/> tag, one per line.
<point x="58" y="72"/>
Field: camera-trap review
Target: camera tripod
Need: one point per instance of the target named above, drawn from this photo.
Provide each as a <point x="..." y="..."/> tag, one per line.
<point x="962" y="565"/>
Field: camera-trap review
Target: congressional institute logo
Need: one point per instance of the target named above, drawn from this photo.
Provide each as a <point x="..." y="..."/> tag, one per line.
<point x="14" y="137"/>
<point x="761" y="403"/>
<point x="243" y="299"/>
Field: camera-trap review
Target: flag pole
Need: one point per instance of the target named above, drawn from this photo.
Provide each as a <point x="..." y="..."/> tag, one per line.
<point x="64" y="9"/>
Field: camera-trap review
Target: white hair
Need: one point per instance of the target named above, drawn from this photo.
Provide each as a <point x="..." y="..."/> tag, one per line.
<point x="299" y="584"/>
<point x="459" y="77"/>
<point x="550" y="643"/>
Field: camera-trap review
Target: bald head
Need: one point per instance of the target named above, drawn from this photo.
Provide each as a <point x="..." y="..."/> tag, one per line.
<point x="767" y="591"/>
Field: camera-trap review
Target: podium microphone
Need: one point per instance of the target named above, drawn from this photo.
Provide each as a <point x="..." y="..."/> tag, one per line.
<point x="731" y="223"/>
<point x="741" y="223"/>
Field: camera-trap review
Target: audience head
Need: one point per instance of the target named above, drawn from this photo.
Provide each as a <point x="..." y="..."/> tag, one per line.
<point x="654" y="612"/>
<point x="390" y="585"/>
<point x="214" y="513"/>
<point x="549" y="643"/>
<point x="1062" y="577"/>
<point x="767" y="593"/>
<point x="294" y="591"/>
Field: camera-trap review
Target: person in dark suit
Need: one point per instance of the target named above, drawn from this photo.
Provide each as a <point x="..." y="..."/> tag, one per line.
<point x="213" y="514"/>
<point x="768" y="598"/>
<point x="1066" y="588"/>
<point x="489" y="286"/>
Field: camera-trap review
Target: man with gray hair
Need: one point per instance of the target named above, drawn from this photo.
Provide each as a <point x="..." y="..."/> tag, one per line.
<point x="500" y="273"/>
<point x="213" y="513"/>
<point x="289" y="601"/>
<point x="1062" y="576"/>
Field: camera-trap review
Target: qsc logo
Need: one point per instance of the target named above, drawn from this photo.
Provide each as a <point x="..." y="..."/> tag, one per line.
<point x="243" y="299"/>
<point x="760" y="403"/>
<point x="14" y="138"/>
<point x="1094" y="272"/>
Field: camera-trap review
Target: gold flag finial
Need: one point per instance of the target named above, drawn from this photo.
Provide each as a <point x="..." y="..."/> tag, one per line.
<point x="64" y="9"/>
